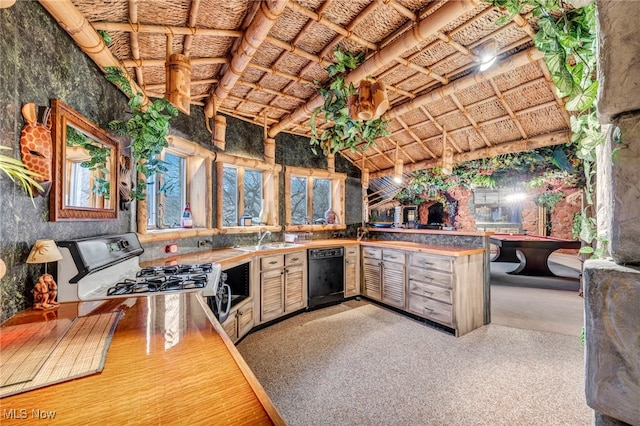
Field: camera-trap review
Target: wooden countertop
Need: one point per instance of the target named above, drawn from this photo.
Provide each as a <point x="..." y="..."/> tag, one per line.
<point x="168" y="363"/>
<point x="229" y="256"/>
<point x="424" y="248"/>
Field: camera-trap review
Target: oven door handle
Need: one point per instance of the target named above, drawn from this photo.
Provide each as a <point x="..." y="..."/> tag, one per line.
<point x="221" y="304"/>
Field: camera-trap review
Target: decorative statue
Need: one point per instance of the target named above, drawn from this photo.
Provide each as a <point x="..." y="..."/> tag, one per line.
<point x="36" y="148"/>
<point x="45" y="292"/>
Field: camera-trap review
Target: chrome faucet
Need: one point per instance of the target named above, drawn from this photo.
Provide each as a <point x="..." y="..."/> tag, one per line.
<point x="261" y="236"/>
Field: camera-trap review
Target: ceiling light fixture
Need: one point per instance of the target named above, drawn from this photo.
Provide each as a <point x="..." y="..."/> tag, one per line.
<point x="487" y="53"/>
<point x="398" y="168"/>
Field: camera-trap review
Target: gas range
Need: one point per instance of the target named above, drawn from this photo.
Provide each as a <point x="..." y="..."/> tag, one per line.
<point x="108" y="266"/>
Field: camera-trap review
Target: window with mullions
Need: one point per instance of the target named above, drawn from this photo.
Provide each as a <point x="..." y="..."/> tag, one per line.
<point x="241" y="194"/>
<point x="166" y="193"/>
<point x="313" y="195"/>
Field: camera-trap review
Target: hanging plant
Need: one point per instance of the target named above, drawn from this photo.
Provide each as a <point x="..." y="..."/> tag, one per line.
<point x="345" y="132"/>
<point x="549" y="199"/>
<point x="148" y="128"/>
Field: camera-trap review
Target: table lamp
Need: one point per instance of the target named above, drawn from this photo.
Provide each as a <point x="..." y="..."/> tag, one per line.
<point x="45" y="290"/>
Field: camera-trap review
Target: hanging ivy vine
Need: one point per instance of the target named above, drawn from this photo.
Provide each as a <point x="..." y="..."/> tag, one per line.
<point x="344" y="132"/>
<point x="148" y="128"/>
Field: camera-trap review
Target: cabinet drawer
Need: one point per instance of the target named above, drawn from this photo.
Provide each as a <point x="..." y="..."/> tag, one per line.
<point x="393" y="266"/>
<point x="372" y="252"/>
<point x="371" y="262"/>
<point x="350" y="251"/>
<point x="433" y="291"/>
<point x="296" y="258"/>
<point x="430" y="276"/>
<point x="393" y="256"/>
<point x="432" y="262"/>
<point x="272" y="262"/>
<point x="431" y="309"/>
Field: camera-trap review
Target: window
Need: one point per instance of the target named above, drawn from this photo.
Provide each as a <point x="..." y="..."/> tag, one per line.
<point x="167" y="193"/>
<point x="311" y="193"/>
<point x="188" y="179"/>
<point x="239" y="184"/>
<point x="246" y="190"/>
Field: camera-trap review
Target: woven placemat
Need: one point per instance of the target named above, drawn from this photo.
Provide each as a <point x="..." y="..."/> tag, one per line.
<point x="81" y="351"/>
<point x="25" y="347"/>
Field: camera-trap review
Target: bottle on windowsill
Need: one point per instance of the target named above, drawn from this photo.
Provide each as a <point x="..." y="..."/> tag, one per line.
<point x="187" y="221"/>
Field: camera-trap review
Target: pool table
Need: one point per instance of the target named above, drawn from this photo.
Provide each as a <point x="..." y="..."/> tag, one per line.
<point x="535" y="249"/>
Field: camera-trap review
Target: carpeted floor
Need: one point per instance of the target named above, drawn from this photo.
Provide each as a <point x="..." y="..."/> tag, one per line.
<point x="360" y="364"/>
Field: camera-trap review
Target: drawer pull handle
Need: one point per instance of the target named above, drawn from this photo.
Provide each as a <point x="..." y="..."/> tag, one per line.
<point x="273" y="262"/>
<point x="240" y="313"/>
<point x="427" y="309"/>
<point x="295" y="258"/>
<point x="427" y="292"/>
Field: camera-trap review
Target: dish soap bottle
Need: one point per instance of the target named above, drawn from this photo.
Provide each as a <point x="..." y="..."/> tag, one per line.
<point x="187" y="221"/>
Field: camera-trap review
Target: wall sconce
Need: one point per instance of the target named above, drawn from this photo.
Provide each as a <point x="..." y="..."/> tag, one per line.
<point x="487" y="53"/>
<point x="45" y="290"/>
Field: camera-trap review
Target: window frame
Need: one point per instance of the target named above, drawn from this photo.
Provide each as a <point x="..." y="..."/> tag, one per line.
<point x="270" y="178"/>
<point x="199" y="184"/>
<point x="159" y="197"/>
<point x="338" y="185"/>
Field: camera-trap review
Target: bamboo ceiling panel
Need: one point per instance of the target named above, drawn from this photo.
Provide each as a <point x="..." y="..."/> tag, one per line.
<point x="268" y="55"/>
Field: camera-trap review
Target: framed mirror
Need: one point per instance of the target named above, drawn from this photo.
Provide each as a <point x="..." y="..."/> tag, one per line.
<point x="85" y="168"/>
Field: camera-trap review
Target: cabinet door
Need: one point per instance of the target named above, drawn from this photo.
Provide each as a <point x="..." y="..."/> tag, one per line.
<point x="230" y="327"/>
<point x="245" y="318"/>
<point x="393" y="284"/>
<point x="294" y="288"/>
<point x="351" y="287"/>
<point x="372" y="278"/>
<point x="271" y="294"/>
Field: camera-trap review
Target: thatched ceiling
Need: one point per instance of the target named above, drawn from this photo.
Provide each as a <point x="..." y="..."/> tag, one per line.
<point x="258" y="60"/>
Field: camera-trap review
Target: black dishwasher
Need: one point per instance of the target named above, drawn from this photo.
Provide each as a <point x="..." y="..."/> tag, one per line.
<point x="326" y="276"/>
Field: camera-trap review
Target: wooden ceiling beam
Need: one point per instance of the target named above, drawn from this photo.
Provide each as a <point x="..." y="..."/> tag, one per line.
<point x="415" y="137"/>
<point x="439" y="127"/>
<point x="422" y="30"/>
<point x="133" y="39"/>
<point x="138" y="28"/>
<point x="86" y="37"/>
<point x="131" y="63"/>
<point x="254" y="36"/>
<point x="534" y="142"/>
<point x="507" y="108"/>
<point x="193" y="20"/>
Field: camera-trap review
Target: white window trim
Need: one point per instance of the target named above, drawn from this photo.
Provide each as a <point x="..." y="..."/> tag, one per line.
<point x="338" y="185"/>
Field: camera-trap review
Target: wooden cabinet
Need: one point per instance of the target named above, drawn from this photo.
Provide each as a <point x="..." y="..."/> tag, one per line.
<point x="447" y="290"/>
<point x="384" y="275"/>
<point x="295" y="283"/>
<point x="351" y="271"/>
<point x="283" y="286"/>
<point x="271" y="287"/>
<point x="240" y="320"/>
<point x="393" y="277"/>
<point x="372" y="272"/>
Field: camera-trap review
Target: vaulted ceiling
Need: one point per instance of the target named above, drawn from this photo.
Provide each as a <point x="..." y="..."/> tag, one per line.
<point x="257" y="60"/>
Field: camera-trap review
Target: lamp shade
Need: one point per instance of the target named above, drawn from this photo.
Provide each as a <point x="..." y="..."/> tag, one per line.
<point x="44" y="251"/>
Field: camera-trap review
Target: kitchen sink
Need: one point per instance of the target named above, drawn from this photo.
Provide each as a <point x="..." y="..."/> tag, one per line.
<point x="268" y="246"/>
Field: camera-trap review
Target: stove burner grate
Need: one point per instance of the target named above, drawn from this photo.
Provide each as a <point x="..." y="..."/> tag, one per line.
<point x="158" y="279"/>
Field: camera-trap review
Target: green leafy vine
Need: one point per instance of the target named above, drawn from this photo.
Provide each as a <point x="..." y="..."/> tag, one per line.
<point x="345" y="132"/>
<point x="148" y="128"/>
<point x="568" y="37"/>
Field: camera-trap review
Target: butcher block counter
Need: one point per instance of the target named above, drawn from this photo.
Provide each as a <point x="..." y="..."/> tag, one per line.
<point x="168" y="363"/>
